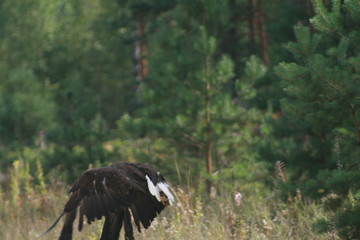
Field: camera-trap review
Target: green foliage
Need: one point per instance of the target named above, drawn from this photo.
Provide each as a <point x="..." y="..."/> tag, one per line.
<point x="69" y="100"/>
<point x="328" y="21"/>
<point x="27" y="107"/>
<point x="322" y="107"/>
<point x="181" y="125"/>
<point x="22" y="184"/>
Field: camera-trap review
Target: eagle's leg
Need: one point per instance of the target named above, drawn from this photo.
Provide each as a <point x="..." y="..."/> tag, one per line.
<point x="67" y="230"/>
<point x="129" y="233"/>
<point x="112" y="226"/>
<point x="117" y="224"/>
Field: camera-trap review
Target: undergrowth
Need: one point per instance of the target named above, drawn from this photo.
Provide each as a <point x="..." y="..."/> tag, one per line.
<point x="28" y="207"/>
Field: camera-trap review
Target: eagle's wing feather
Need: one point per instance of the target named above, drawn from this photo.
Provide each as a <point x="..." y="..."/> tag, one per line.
<point x="111" y="190"/>
<point x="98" y="192"/>
<point x="144" y="206"/>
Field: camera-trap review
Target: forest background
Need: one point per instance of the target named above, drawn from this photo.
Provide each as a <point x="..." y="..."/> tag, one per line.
<point x="250" y="96"/>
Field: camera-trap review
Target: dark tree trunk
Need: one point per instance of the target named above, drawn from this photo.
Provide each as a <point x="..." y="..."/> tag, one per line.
<point x="230" y="41"/>
<point x="262" y="33"/>
<point x="208" y="131"/>
<point x="310" y="13"/>
<point x="356" y="124"/>
<point x="252" y="25"/>
<point x="140" y="50"/>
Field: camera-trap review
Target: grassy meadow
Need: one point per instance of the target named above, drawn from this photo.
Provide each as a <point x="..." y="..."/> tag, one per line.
<point x="28" y="207"/>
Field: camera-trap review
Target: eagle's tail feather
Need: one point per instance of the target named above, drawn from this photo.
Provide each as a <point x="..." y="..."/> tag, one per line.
<point x="52" y="226"/>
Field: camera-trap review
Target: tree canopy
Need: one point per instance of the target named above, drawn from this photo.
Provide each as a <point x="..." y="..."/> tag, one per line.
<point x="216" y="92"/>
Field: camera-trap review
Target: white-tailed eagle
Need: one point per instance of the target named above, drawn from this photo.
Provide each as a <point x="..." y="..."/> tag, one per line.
<point x="113" y="192"/>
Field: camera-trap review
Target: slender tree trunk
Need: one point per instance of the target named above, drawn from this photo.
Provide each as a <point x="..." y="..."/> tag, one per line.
<point x="310" y="13"/>
<point x="262" y="33"/>
<point x="229" y="44"/>
<point x="356" y="124"/>
<point x="309" y="8"/>
<point x="140" y="50"/>
<point x="252" y="24"/>
<point x="208" y="132"/>
<point x="42" y="141"/>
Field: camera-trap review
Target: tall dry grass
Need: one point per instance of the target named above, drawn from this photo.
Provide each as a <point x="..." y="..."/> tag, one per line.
<point x="27" y="208"/>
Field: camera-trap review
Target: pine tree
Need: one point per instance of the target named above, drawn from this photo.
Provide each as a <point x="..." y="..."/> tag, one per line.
<point x="322" y="108"/>
<point x="187" y="100"/>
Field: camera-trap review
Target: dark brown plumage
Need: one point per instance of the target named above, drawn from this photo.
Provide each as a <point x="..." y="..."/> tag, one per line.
<point x="113" y="192"/>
